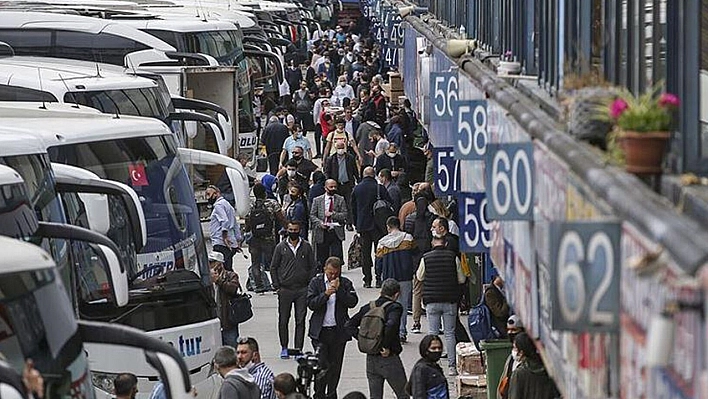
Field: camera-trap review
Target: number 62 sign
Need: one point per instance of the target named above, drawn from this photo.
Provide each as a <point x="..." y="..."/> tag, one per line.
<point x="585" y="273"/>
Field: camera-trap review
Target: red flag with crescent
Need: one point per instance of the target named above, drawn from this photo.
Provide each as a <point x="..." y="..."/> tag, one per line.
<point x="137" y="175"/>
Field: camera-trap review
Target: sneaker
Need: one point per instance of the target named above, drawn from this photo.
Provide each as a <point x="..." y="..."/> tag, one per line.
<point x="416" y="328"/>
<point x="403" y="338"/>
<point x="452" y="372"/>
<point x="284" y="354"/>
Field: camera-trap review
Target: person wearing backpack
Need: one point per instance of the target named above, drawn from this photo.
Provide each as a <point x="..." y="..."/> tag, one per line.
<point x="376" y="327"/>
<point x="264" y="220"/>
<point x="238" y="382"/>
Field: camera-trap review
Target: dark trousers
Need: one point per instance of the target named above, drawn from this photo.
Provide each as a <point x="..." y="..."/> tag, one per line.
<point x="345" y="190"/>
<point x="274" y="163"/>
<point x="261" y="254"/>
<point x="380" y="369"/>
<point x="369" y="239"/>
<point x="318" y="138"/>
<point x="331" y="359"/>
<point x="228" y="256"/>
<point x="286" y="299"/>
<point x="330" y="246"/>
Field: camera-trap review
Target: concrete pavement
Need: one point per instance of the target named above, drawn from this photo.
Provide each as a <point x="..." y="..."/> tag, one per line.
<point x="264" y="327"/>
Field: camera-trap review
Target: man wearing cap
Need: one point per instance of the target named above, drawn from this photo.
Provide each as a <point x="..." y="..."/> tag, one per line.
<point x="513" y="328"/>
<point x="226" y="285"/>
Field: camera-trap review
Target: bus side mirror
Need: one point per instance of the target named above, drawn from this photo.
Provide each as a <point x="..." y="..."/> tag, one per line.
<point x="119" y="280"/>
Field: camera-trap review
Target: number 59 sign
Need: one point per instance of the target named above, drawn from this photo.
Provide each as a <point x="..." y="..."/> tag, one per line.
<point x="585" y="274"/>
<point x="474" y="225"/>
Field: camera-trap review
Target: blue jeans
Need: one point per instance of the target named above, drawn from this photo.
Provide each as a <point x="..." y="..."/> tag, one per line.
<point x="448" y="313"/>
<point x="405" y="300"/>
<point x="230" y="337"/>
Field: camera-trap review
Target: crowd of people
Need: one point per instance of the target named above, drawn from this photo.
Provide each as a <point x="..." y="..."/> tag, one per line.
<point x="374" y="177"/>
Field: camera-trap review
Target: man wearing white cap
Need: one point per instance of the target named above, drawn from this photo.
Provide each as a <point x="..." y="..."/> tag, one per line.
<point x="226" y="285"/>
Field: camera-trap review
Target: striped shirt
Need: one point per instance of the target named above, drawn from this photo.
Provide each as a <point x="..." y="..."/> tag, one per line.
<point x="264" y="379"/>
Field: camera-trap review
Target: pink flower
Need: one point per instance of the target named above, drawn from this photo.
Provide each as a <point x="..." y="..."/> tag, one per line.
<point x="668" y="100"/>
<point x="618" y="107"/>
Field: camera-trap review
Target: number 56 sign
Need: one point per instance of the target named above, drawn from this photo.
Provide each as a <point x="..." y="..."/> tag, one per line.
<point x="585" y="274"/>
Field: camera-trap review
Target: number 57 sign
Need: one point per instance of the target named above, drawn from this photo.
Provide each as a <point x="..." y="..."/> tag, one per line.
<point x="585" y="274"/>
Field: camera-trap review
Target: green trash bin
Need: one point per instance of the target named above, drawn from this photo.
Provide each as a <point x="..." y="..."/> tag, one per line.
<point x="496" y="352"/>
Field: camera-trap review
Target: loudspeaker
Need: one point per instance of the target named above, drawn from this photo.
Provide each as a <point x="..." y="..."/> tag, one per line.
<point x="456" y="48"/>
<point x="405" y="11"/>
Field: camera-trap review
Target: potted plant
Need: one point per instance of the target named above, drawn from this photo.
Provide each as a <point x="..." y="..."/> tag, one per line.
<point x="507" y="65"/>
<point x="643" y="126"/>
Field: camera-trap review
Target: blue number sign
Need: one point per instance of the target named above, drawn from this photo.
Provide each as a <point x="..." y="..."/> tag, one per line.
<point x="446" y="171"/>
<point x="472" y="138"/>
<point x="474" y="225"/>
<point x="509" y="181"/>
<point x="585" y="274"/>
<point x="443" y="95"/>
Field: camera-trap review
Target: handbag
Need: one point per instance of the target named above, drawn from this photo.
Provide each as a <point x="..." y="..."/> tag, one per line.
<point x="240" y="308"/>
<point x="354" y="253"/>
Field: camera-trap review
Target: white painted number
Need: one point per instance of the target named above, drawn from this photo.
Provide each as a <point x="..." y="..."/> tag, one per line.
<point x="440" y="107"/>
<point x="479" y="119"/>
<point x="442" y="170"/>
<point x="443" y="100"/>
<point x="451" y="93"/>
<point x="480" y="224"/>
<point x="571" y="282"/>
<point x="464" y="131"/>
<point x="501" y="179"/>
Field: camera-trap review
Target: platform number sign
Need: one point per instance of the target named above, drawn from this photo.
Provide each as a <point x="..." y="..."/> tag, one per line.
<point x="472" y="136"/>
<point x="396" y="31"/>
<point x="443" y="95"/>
<point x="585" y="274"/>
<point x="509" y="181"/>
<point x="475" y="235"/>
<point x="446" y="171"/>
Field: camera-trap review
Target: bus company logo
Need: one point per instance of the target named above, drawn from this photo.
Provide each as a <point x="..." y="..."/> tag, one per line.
<point x="158" y="268"/>
<point x="188" y="346"/>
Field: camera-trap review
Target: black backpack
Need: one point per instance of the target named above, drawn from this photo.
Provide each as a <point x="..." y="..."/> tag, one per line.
<point x="382" y="211"/>
<point x="261" y="221"/>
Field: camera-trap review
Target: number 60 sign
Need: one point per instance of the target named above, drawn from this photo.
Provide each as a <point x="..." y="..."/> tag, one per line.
<point x="585" y="273"/>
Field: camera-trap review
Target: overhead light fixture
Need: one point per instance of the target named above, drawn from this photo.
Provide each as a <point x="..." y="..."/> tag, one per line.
<point x="456" y="48"/>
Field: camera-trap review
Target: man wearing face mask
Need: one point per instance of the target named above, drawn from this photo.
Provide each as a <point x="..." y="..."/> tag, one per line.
<point x="298" y="170"/>
<point x="295" y="147"/>
<point x="292" y="267"/>
<point x="343" y="170"/>
<point x="441" y="228"/>
<point x="249" y="358"/>
<point x="293" y="75"/>
<point x="222" y="226"/>
<point x="327" y="68"/>
<point x="342" y="91"/>
<point x="328" y="215"/>
<point x="392" y="161"/>
<point x="302" y="98"/>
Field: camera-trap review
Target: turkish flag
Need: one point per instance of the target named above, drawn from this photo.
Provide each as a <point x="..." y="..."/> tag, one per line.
<point x="137" y="175"/>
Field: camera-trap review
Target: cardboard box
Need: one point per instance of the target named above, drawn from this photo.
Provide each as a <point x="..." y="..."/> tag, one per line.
<point x="469" y="360"/>
<point x="474" y="387"/>
<point x="394" y="80"/>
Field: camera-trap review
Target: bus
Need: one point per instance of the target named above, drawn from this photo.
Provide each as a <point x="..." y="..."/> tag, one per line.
<point x="170" y="294"/>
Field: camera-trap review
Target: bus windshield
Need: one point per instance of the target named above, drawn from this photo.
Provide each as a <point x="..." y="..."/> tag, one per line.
<point x="147" y="101"/>
<point x="151" y="166"/>
<point x="37" y="322"/>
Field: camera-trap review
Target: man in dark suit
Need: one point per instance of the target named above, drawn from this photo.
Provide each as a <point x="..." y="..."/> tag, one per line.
<point x="330" y="297"/>
<point x="363" y="198"/>
<point x="342" y="169"/>
<point x="327" y="209"/>
<point x="497" y="304"/>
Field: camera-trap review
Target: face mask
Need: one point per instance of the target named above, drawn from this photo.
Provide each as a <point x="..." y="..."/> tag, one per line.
<point x="515" y="355"/>
<point x="391" y="154"/>
<point x="291" y="173"/>
<point x="211" y="200"/>
<point x="342" y="84"/>
<point x="298" y="135"/>
<point x="341" y="151"/>
<point x="293" y="235"/>
<point x="433" y="356"/>
<point x="436" y="234"/>
<point x="331" y="192"/>
<point x="297" y="157"/>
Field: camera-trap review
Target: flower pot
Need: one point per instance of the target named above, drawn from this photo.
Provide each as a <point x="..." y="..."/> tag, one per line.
<point x="643" y="151"/>
<point x="509" y="68"/>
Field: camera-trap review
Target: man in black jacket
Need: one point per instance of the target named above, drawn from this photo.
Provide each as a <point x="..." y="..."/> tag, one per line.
<point x="387" y="365"/>
<point x="292" y="267"/>
<point x="330" y="297"/>
<point x="273" y="137"/>
<point x="342" y="169"/>
<point x="440" y="272"/>
<point x="363" y="199"/>
<point x="497" y="304"/>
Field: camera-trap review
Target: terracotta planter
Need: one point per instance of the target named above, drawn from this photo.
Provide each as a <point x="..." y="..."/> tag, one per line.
<point x="643" y="151"/>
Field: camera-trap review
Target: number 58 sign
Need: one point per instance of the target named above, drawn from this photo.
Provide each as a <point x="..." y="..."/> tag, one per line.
<point x="585" y="274"/>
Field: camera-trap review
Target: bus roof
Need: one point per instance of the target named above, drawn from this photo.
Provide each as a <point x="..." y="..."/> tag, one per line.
<point x="59" y="77"/>
<point x="19" y="256"/>
<point x="245" y="20"/>
<point x="19" y="141"/>
<point x="59" y="124"/>
<point x="181" y="23"/>
<point x="76" y="23"/>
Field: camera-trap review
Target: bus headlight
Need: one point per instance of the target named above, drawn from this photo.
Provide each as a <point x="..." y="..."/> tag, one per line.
<point x="103" y="381"/>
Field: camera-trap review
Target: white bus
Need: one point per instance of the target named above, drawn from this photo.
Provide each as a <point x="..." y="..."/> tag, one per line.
<point x="170" y="292"/>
